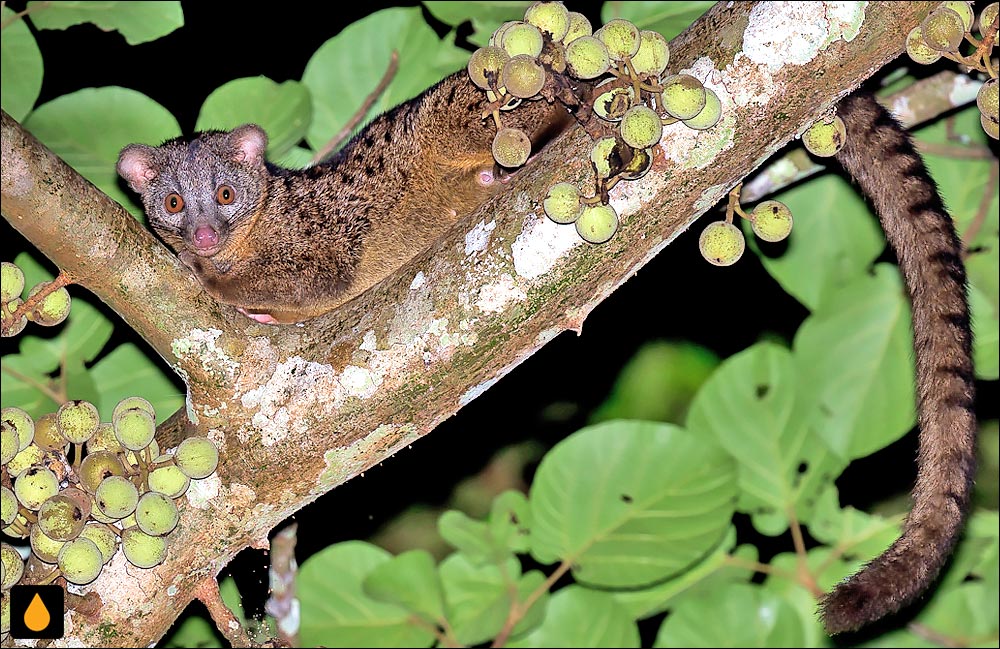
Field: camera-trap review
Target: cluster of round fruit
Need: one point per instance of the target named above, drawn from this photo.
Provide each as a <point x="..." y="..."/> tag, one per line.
<point x="49" y="311"/>
<point x="118" y="488"/>
<point x="942" y="33"/>
<point x="722" y="243"/>
<point x="634" y="101"/>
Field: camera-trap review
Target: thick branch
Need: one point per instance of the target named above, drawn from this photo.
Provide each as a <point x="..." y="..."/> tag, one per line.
<point x="298" y="410"/>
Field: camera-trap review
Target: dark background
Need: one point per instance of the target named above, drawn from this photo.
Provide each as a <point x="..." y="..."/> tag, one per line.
<point x="544" y="399"/>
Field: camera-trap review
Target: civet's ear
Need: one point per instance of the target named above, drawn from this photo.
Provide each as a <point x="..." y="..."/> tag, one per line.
<point x="248" y="143"/>
<point x="137" y="165"/>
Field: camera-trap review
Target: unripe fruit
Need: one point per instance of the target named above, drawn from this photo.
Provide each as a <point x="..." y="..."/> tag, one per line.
<point x="13" y="567"/>
<point x="918" y="49"/>
<point x="8" y="506"/>
<point x="132" y="402"/>
<point x="11" y="282"/>
<point x="943" y="30"/>
<point x="523" y="76"/>
<point x="522" y="38"/>
<point x="825" y="139"/>
<point x="551" y="18"/>
<point x="134" y="428"/>
<point x="143" y="550"/>
<point x="987" y="16"/>
<point x="964" y="10"/>
<point x="45" y="547"/>
<point x="80" y="561"/>
<point x="34" y="486"/>
<point x="641" y="127"/>
<point x="102" y="536"/>
<point x="197" y="457"/>
<point x="98" y="466"/>
<point x="721" y="243"/>
<point x="9" y="443"/>
<point x="169" y="481"/>
<point x="991" y="126"/>
<point x="597" y="223"/>
<point x="53" y="308"/>
<point x="156" y="514"/>
<point x="78" y="421"/>
<point x="47" y="435"/>
<point x="511" y="147"/>
<point x="22" y="424"/>
<point x="771" y="220"/>
<point x="620" y="37"/>
<point x="683" y="96"/>
<point x="116" y="497"/>
<point x="485" y="65"/>
<point x="587" y="58"/>
<point x="709" y="115"/>
<point x="579" y="26"/>
<point x="28" y="457"/>
<point x="653" y="54"/>
<point x="63" y="516"/>
<point x="562" y="203"/>
<point x="988" y="100"/>
<point x="104" y="440"/>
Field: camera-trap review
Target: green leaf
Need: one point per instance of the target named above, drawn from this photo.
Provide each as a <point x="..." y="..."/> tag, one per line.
<point x="348" y="67"/>
<point x="230" y="594"/>
<point x="580" y="617"/>
<point x="658" y="383"/>
<point x="836" y="239"/>
<point x="295" y="158"/>
<point x="283" y="110"/>
<point x="752" y="406"/>
<point x="855" y="367"/>
<point x="126" y="372"/>
<point x="471" y="537"/>
<point x="851" y="531"/>
<point x="986" y="332"/>
<point x="337" y="613"/>
<point x="477" y="596"/>
<point x="486" y="17"/>
<point x="195" y="631"/>
<point x="138" y="22"/>
<point x="76" y="343"/>
<point x="510" y="521"/>
<point x="667" y="18"/>
<point x="733" y="615"/>
<point x="828" y="567"/>
<point x="968" y="612"/>
<point x="88" y="129"/>
<point x="706" y="573"/>
<point x="409" y="580"/>
<point x="20" y="67"/>
<point x="976" y="555"/>
<point x="630" y="503"/>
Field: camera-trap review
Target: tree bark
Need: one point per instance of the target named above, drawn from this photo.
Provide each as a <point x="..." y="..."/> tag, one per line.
<point x="297" y="410"/>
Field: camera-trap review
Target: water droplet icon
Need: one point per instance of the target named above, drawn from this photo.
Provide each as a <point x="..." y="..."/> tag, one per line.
<point x="36" y="616"/>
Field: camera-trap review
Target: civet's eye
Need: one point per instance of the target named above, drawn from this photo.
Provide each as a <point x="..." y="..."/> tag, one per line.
<point x="225" y="195"/>
<point x="173" y="203"/>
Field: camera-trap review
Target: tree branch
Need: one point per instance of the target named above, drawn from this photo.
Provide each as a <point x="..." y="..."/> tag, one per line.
<point x="299" y="410"/>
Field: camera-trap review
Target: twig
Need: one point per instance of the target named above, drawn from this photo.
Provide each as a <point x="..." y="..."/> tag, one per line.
<point x="519" y="609"/>
<point x="21" y="14"/>
<point x="345" y="132"/>
<point x="207" y="592"/>
<point x="62" y="280"/>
